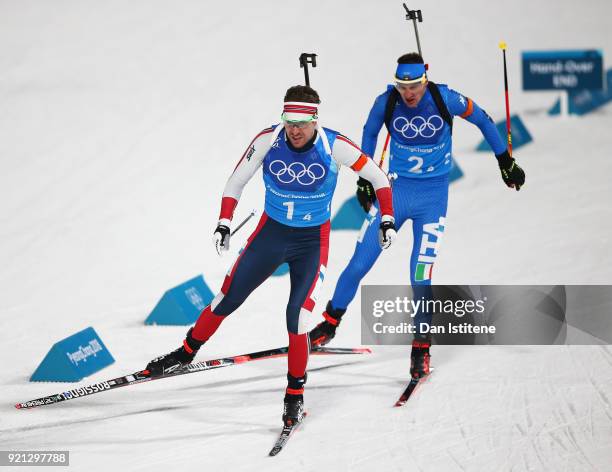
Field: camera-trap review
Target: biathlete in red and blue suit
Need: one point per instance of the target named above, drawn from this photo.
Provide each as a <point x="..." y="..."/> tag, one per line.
<point x="300" y="162"/>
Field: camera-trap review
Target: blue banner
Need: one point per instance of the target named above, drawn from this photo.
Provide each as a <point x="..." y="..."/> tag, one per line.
<point x="581" y="102"/>
<point x="520" y="134"/>
<point x="563" y="70"/>
<point x="73" y="358"/>
<point x="182" y="304"/>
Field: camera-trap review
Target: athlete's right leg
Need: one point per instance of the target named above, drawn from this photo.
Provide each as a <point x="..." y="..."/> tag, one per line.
<point x="307" y="260"/>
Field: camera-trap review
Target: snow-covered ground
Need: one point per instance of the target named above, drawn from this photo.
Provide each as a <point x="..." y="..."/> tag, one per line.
<point x="119" y="124"/>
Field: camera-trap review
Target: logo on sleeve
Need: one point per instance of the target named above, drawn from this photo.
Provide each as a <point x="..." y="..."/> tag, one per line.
<point x="250" y="153"/>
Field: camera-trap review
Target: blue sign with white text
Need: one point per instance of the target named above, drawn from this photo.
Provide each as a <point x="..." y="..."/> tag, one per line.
<point x="520" y="134"/>
<point x="563" y="70"/>
<point x="73" y="358"/>
<point x="182" y="305"/>
<point x="581" y="102"/>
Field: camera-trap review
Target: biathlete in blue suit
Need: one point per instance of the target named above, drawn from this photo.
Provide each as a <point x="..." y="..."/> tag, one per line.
<point x="418" y="115"/>
<point x="300" y="162"/>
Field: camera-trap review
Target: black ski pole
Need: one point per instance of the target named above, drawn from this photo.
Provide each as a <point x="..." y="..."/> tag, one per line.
<point x="243" y="222"/>
<point x="305" y="59"/>
<point x="503" y="46"/>
<point x="415" y="16"/>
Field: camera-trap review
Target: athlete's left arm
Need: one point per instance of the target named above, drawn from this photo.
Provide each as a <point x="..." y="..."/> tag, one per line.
<point x="347" y="153"/>
<point x="466" y="108"/>
<point x="512" y="175"/>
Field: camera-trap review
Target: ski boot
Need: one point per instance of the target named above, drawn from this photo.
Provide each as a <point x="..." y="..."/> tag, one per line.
<point x="293" y="409"/>
<point x="168" y="363"/>
<point x="325" y="331"/>
<point x="419" y="358"/>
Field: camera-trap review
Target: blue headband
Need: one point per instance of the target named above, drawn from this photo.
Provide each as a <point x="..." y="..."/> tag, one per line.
<point x="410" y="73"/>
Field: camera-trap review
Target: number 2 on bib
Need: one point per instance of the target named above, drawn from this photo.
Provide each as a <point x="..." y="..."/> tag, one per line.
<point x="417" y="167"/>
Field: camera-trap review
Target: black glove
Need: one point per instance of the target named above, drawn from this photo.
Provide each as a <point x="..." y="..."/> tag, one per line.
<point x="365" y="194"/>
<point x="221" y="237"/>
<point x="512" y="174"/>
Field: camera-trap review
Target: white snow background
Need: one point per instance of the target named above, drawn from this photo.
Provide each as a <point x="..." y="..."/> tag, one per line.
<point x="119" y="125"/>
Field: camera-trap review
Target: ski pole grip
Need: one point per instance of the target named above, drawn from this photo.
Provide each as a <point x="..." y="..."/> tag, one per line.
<point x="308" y="58"/>
<point x="414" y="15"/>
<point x="305" y="59"/>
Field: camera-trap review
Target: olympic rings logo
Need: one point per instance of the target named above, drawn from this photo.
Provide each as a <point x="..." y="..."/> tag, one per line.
<point x="418" y="126"/>
<point x="287" y="174"/>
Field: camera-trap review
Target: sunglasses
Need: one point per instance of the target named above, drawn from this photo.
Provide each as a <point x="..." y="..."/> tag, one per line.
<point x="297" y="124"/>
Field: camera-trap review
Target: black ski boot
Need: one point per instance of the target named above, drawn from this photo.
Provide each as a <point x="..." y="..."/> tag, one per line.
<point x="174" y="360"/>
<point x="419" y="358"/>
<point x="293" y="410"/>
<point x="325" y="331"/>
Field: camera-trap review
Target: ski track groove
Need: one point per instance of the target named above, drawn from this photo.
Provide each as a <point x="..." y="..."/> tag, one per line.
<point x="579" y="449"/>
<point x="454" y="459"/>
<point x="600" y="393"/>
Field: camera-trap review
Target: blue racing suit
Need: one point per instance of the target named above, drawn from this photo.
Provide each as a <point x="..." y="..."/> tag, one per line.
<point x="420" y="154"/>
